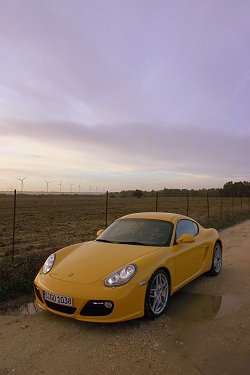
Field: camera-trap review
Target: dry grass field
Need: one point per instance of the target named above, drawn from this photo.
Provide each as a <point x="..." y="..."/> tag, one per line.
<point x="46" y="223"/>
<point x="49" y="222"/>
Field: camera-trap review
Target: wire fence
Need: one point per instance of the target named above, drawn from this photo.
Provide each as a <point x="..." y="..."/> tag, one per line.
<point x="43" y="222"/>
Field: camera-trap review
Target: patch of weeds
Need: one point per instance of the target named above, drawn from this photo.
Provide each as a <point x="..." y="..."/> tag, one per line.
<point x="16" y="278"/>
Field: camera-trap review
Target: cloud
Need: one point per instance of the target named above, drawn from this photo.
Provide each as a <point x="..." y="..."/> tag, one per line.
<point x="142" y="147"/>
<point x="125" y="87"/>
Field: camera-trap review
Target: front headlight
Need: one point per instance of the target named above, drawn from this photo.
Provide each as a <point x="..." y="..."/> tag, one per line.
<point x="121" y="276"/>
<point x="49" y="263"/>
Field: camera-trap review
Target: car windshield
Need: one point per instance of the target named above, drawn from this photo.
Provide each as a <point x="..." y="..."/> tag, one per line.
<point x="144" y="232"/>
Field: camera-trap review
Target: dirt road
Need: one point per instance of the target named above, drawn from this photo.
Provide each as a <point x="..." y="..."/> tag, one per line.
<point x="206" y="330"/>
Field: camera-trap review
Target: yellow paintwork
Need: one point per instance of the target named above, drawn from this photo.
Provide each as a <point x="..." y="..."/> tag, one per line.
<point x="80" y="270"/>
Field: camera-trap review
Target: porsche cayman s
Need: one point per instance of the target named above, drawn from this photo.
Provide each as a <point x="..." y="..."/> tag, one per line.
<point x="129" y="270"/>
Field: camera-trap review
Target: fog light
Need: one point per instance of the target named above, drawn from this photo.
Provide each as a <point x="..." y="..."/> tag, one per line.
<point x="108" y="304"/>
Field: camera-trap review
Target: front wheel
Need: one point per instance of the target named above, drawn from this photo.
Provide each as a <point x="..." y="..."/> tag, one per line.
<point x="157" y="294"/>
<point x="216" y="261"/>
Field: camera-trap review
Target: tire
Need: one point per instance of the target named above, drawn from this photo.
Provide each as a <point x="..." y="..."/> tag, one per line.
<point x="216" y="261"/>
<point x="157" y="294"/>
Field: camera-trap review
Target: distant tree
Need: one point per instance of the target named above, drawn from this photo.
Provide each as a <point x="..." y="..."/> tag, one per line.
<point x="138" y="193"/>
<point x="151" y="193"/>
<point x="236" y="189"/>
<point x="123" y="194"/>
<point x="228" y="189"/>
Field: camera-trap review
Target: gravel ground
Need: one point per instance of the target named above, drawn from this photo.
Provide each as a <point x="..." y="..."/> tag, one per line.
<point x="204" y="331"/>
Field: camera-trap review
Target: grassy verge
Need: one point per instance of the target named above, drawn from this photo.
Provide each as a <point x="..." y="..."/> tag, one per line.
<point x="16" y="278"/>
<point x="227" y="221"/>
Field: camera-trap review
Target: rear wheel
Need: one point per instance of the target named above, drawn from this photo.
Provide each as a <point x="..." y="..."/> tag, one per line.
<point x="157" y="294"/>
<point x="216" y="261"/>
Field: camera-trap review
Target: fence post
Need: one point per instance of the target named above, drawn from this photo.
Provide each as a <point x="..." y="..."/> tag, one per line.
<point x="187" y="203"/>
<point x="106" y="211"/>
<point x="208" y="213"/>
<point x="221" y="205"/>
<point x="156" y="202"/>
<point x="14" y="227"/>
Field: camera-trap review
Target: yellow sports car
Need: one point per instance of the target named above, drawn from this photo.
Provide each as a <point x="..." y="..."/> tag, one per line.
<point x="129" y="270"/>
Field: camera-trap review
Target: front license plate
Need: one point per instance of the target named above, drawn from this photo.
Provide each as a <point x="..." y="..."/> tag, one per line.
<point x="56" y="298"/>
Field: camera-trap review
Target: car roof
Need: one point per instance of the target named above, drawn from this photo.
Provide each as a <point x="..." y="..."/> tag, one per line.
<point x="168" y="216"/>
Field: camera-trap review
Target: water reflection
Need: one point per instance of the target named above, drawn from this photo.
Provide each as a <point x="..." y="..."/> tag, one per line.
<point x="229" y="305"/>
<point x="190" y="307"/>
<point x="29" y="308"/>
<point x="196" y="307"/>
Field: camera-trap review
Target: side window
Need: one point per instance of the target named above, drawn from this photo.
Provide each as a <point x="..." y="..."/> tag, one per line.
<point x="186" y="227"/>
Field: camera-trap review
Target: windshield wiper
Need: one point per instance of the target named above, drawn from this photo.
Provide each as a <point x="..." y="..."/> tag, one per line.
<point x="107" y="241"/>
<point x="131" y="243"/>
<point x="123" y="242"/>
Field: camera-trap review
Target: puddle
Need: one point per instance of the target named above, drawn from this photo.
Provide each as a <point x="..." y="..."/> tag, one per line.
<point x="229" y="305"/>
<point x="29" y="308"/>
<point x="196" y="307"/>
<point x="183" y="306"/>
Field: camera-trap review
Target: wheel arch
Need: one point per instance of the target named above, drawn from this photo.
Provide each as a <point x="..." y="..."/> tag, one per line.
<point x="212" y="271"/>
<point x="219" y="242"/>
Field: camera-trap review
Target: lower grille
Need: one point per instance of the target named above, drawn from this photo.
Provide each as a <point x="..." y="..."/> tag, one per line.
<point x="61" y="308"/>
<point x="97" y="308"/>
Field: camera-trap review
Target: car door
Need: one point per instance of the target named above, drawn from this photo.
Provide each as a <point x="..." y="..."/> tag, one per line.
<point x="188" y="256"/>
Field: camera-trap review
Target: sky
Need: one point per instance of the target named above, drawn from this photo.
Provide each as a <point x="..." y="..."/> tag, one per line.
<point x="116" y="95"/>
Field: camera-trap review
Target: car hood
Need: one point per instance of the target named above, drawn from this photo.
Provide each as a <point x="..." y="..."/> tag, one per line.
<point x="91" y="261"/>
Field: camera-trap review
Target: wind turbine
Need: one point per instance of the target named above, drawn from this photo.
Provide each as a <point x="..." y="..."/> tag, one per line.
<point x="21" y="179"/>
<point x="90" y="186"/>
<point x="47" y="182"/>
<point x="71" y="187"/>
<point x="60" y="186"/>
<point x="97" y="187"/>
<point x="79" y="186"/>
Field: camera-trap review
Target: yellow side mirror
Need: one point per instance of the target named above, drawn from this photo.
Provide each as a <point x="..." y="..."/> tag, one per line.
<point x="185" y="238"/>
<point x="99" y="232"/>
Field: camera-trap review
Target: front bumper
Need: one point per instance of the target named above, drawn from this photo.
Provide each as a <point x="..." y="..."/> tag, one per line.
<point x="92" y="302"/>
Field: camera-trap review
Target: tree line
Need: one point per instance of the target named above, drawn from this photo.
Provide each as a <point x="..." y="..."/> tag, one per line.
<point x="229" y="189"/>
